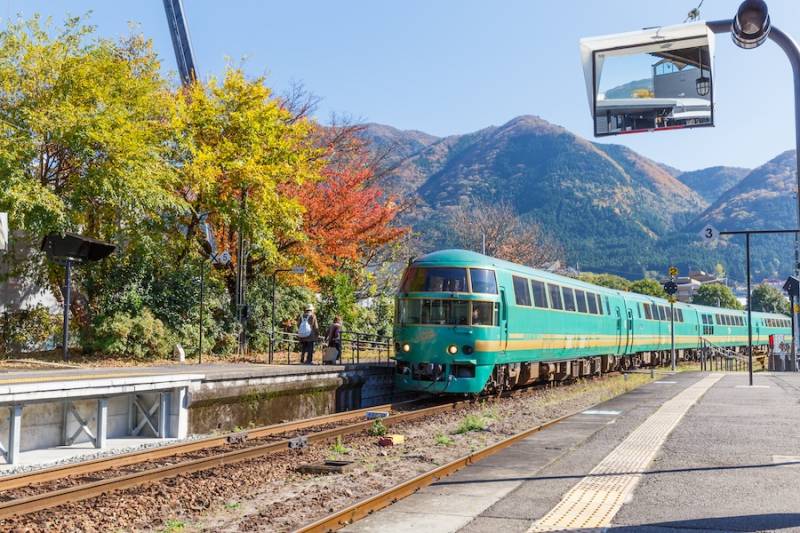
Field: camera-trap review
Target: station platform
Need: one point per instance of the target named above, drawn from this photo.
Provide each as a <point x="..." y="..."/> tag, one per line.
<point x="65" y="414"/>
<point x="689" y="452"/>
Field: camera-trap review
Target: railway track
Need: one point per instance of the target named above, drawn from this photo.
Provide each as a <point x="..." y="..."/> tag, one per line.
<point x="367" y="506"/>
<point x="85" y="491"/>
<point x="220" y="453"/>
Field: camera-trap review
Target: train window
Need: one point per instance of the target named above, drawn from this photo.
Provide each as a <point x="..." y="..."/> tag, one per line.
<point x="483" y="281"/>
<point x="445" y="312"/>
<point x="718" y="319"/>
<point x="647" y="313"/>
<point x="408" y="312"/>
<point x="580" y="300"/>
<point x="483" y="314"/>
<point x="555" y="296"/>
<point x="419" y="279"/>
<point x="600" y="305"/>
<point x="662" y="312"/>
<point x="521" y="292"/>
<point x="680" y="315"/>
<point x="539" y="294"/>
<point x="569" y="299"/>
<point x="639" y="309"/>
<point x="591" y="300"/>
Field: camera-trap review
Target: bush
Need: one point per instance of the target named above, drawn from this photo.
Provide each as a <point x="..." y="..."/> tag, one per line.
<point x="26" y="329"/>
<point x="471" y="423"/>
<point x="378" y="429"/>
<point x="141" y="336"/>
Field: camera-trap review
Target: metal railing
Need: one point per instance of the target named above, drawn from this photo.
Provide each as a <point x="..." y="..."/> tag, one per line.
<point x="357" y="347"/>
<point x="714" y="357"/>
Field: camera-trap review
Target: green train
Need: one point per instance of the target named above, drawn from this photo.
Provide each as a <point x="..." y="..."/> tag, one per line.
<point x="467" y="323"/>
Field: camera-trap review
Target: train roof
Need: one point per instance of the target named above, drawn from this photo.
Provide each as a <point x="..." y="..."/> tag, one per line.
<point x="467" y="258"/>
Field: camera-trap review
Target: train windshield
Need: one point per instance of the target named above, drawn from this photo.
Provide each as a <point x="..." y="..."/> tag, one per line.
<point x="437" y="279"/>
<point x="446" y="312"/>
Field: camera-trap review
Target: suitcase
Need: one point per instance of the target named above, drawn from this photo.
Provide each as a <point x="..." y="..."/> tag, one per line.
<point x="330" y="355"/>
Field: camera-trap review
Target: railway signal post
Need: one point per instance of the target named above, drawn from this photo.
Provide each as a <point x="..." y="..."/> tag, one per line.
<point x="670" y="287"/>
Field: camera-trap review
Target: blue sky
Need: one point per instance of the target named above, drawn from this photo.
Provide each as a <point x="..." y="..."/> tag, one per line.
<point x="455" y="66"/>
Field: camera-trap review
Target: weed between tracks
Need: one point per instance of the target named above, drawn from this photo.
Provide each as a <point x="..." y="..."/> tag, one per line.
<point x="270" y="495"/>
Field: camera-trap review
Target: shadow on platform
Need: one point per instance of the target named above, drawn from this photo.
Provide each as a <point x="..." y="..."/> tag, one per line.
<point x="743" y="523"/>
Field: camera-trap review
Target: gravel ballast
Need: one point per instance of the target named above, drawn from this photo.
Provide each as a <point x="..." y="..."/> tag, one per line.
<point x="268" y="494"/>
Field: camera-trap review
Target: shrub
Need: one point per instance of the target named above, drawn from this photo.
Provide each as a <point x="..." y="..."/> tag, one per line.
<point x="141" y="336"/>
<point x="26" y="329"/>
<point x="443" y="440"/>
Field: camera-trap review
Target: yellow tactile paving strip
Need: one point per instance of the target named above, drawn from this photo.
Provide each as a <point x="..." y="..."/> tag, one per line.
<point x="597" y="498"/>
<point x="74" y="377"/>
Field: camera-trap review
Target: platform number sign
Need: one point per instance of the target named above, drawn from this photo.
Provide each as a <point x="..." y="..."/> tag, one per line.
<point x="709" y="234"/>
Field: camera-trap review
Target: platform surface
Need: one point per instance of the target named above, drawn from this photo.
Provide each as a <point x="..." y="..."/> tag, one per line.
<point x="210" y="371"/>
<point x="715" y="455"/>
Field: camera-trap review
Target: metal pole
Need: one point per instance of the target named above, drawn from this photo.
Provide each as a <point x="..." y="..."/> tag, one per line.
<point x="202" y="294"/>
<point x="67" y="298"/>
<point x="272" y="319"/>
<point x="792" y="51"/>
<point x="749" y="312"/>
<point x="672" y="331"/>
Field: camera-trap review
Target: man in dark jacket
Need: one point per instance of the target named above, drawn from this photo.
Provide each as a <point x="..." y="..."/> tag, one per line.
<point x="307" y="334"/>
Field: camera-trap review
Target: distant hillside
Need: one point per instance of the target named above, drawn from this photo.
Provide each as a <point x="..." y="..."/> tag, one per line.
<point x="605" y="203"/>
<point x="712" y="182"/>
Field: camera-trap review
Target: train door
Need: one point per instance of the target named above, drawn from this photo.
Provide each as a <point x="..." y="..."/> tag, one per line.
<point x="503" y="320"/>
<point x="629" y="332"/>
<point x="619" y="330"/>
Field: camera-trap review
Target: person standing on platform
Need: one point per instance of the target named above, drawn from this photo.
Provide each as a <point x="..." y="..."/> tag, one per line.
<point x="307" y="334"/>
<point x="334" y="337"/>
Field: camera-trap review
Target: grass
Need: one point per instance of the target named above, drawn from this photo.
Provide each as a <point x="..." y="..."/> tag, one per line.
<point x="378" y="429"/>
<point x="471" y="423"/>
<point x="443" y="440"/>
<point x="338" y="448"/>
<point x="232" y="506"/>
<point x="173" y="526"/>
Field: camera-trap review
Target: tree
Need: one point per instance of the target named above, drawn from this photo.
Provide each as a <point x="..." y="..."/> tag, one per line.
<point x="716" y="295"/>
<point x="606" y="280"/>
<point x="346" y="216"/>
<point x="768" y="299"/>
<point x="505" y="234"/>
<point x="238" y="146"/>
<point x="85" y="128"/>
<point x="650" y="287"/>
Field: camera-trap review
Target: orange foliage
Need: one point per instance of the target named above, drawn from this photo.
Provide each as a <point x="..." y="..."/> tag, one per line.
<point x="347" y="216"/>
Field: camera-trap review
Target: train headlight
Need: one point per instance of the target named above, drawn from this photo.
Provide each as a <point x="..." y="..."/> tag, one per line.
<point x="406" y="347"/>
<point x="452" y="349"/>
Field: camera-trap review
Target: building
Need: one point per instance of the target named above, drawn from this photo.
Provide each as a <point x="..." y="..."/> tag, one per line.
<point x="690" y="283"/>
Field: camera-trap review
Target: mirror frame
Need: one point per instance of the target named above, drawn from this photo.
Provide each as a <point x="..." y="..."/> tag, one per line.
<point x="592" y="46"/>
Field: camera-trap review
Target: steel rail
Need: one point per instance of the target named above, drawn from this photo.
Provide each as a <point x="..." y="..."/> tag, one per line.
<point x="149" y="454"/>
<point x="367" y="506"/>
<point x="86" y="491"/>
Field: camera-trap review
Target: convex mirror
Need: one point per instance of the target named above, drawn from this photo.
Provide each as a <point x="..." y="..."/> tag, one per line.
<point x="650" y="80"/>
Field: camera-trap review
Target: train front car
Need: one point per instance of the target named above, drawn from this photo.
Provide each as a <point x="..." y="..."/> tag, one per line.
<point x="447" y="323"/>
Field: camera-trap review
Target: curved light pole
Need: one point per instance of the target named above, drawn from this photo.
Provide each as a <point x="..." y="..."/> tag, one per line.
<point x="749" y="29"/>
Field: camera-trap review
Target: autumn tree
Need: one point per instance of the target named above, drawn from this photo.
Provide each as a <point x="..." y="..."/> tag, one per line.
<point x="85" y="125"/>
<point x="238" y="149"/>
<point x="506" y="235"/>
<point x="347" y="217"/>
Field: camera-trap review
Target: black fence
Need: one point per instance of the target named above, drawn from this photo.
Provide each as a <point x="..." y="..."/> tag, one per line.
<point x="357" y="347"/>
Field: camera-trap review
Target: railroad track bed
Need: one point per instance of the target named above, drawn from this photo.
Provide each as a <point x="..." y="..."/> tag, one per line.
<point x="268" y="493"/>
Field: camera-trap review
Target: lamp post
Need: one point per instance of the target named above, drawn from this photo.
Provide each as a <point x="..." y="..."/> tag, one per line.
<point x="749" y="29"/>
<point x="294" y="270"/>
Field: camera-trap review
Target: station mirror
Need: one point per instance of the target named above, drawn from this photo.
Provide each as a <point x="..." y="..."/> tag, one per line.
<point x="650" y="80"/>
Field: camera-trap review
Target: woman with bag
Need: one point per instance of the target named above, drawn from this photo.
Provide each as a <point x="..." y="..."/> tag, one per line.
<point x="334" y="340"/>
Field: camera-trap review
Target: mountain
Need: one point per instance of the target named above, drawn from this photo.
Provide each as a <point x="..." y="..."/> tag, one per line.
<point x="712" y="182"/>
<point x="605" y="203"/>
<point x="764" y="199"/>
